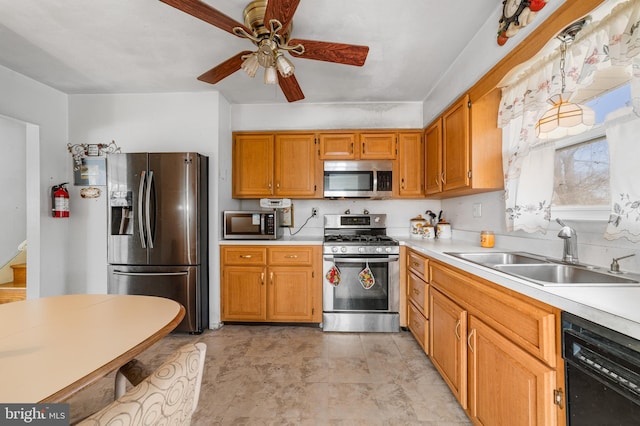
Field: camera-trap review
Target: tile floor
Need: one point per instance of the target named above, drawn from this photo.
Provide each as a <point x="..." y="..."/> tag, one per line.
<point x="289" y="375"/>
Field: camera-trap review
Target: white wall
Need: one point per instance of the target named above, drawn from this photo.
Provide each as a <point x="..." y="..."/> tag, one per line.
<point x="44" y="111"/>
<point x="138" y="123"/>
<point x="13" y="175"/>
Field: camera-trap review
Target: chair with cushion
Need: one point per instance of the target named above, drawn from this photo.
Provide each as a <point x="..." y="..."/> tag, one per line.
<point x="168" y="396"/>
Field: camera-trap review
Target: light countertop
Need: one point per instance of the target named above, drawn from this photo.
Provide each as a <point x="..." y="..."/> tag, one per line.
<point x="615" y="307"/>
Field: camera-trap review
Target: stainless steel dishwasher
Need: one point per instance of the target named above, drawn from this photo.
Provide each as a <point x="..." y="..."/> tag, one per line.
<point x="602" y="373"/>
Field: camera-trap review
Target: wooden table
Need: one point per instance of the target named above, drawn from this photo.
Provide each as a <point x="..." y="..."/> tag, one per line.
<point x="52" y="347"/>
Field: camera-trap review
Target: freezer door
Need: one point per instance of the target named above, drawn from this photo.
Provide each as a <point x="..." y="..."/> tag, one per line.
<point x="174" y="209"/>
<point x="176" y="283"/>
<point x="127" y="174"/>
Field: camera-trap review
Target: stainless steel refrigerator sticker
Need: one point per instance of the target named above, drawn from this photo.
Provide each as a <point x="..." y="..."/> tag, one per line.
<point x="158" y="228"/>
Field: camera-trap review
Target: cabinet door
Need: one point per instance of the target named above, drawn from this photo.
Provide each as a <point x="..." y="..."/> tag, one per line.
<point x="252" y="167"/>
<point x="338" y="146"/>
<point x="295" y="165"/>
<point x="410" y="164"/>
<point x="378" y="146"/>
<point x="506" y="384"/>
<point x="433" y="158"/>
<point x="447" y="348"/>
<point x="290" y="294"/>
<point x="455" y="146"/>
<point x="243" y="293"/>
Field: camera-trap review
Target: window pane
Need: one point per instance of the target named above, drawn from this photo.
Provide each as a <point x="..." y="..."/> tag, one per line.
<point x="582" y="174"/>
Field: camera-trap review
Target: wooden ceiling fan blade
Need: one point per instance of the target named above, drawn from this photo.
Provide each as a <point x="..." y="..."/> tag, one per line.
<point x="347" y="54"/>
<point x="282" y="10"/>
<point x="207" y="13"/>
<point x="224" y="69"/>
<point x="290" y="88"/>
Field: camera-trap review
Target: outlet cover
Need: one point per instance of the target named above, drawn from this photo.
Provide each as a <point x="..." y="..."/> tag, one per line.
<point x="477" y="210"/>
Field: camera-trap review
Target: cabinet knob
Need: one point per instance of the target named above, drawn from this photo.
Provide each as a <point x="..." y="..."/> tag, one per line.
<point x="415" y="291"/>
<point x="245" y="256"/>
<point x="291" y="256"/>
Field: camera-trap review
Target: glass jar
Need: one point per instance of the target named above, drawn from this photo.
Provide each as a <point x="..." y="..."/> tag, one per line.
<point x="487" y="239"/>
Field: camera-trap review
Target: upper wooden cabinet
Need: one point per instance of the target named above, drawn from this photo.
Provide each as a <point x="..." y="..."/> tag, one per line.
<point x="355" y="145"/>
<point x="281" y="164"/>
<point x="463" y="153"/>
<point x="338" y="146"/>
<point x="410" y="165"/>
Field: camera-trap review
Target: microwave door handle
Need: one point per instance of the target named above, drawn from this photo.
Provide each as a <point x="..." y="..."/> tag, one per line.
<point x="375" y="182"/>
<point x="140" y="210"/>
<point x="262" y="225"/>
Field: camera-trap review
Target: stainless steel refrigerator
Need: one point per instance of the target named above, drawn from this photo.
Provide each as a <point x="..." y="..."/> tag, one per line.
<point x="158" y="230"/>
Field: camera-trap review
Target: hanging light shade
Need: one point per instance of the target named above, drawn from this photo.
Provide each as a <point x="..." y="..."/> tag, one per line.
<point x="564" y="118"/>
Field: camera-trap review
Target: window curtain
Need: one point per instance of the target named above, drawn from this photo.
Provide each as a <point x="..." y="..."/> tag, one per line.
<point x="527" y="160"/>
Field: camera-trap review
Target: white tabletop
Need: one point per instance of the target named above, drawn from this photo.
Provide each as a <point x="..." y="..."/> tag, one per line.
<point x="54" y="346"/>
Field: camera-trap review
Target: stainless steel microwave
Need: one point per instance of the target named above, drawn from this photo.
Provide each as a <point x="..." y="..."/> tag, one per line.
<point x="358" y="179"/>
<point x="252" y="225"/>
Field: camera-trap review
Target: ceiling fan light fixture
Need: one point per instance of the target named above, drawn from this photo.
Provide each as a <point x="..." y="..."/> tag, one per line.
<point x="250" y="65"/>
<point x="270" y="75"/>
<point x="284" y="65"/>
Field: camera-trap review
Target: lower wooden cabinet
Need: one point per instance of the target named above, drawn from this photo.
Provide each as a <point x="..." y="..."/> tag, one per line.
<point x="447" y="348"/>
<point x="507" y="386"/>
<point x="497" y="350"/>
<point x="271" y="284"/>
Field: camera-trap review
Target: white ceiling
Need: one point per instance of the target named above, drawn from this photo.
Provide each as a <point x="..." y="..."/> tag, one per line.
<point x="137" y="46"/>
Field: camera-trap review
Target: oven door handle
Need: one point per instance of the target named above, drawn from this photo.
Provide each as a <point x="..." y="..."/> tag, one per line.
<point x="392" y="258"/>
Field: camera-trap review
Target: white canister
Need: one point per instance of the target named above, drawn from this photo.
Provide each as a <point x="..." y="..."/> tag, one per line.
<point x="429" y="233"/>
<point x="417" y="226"/>
<point x="443" y="230"/>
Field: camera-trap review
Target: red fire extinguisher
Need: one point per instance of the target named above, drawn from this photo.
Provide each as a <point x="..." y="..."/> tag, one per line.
<point x="59" y="201"/>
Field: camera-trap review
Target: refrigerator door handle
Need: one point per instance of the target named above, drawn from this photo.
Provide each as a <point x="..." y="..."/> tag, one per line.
<point x="140" y="204"/>
<point x="148" y="209"/>
<point x="150" y="274"/>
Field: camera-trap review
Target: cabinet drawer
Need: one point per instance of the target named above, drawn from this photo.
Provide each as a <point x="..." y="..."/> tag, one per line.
<point x="418" y="265"/>
<point x="292" y="255"/>
<point x="419" y="326"/>
<point x="244" y="255"/>
<point x="418" y="293"/>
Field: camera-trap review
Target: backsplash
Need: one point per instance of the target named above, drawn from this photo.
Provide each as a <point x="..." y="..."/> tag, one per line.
<point x="593" y="248"/>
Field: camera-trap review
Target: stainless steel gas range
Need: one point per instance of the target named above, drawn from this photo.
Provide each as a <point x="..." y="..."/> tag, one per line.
<point x="361" y="275"/>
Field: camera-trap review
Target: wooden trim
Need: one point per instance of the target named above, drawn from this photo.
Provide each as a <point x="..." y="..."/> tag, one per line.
<point x="570" y="11"/>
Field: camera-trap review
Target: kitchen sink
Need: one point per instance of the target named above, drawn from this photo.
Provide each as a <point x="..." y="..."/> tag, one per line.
<point x="549" y="274"/>
<point x="500" y="258"/>
<point x="544" y="271"/>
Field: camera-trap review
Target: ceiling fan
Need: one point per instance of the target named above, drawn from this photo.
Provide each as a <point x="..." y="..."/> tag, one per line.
<point x="268" y="25"/>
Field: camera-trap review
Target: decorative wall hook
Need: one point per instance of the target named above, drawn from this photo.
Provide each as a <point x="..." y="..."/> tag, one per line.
<point x="81" y="150"/>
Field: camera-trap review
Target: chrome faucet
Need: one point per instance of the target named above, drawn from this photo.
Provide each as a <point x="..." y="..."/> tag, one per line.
<point x="570" y="237"/>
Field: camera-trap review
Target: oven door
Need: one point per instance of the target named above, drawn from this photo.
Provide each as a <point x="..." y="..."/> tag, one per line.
<point x="350" y="295"/>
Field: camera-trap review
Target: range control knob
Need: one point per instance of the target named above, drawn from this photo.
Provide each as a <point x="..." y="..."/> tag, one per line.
<point x="378" y="249"/>
<point x="388" y="250"/>
<point x="343" y="249"/>
<point x="334" y="249"/>
<point x="361" y="249"/>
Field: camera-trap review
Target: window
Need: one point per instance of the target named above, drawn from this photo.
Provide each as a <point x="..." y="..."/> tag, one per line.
<point x="581" y="170"/>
